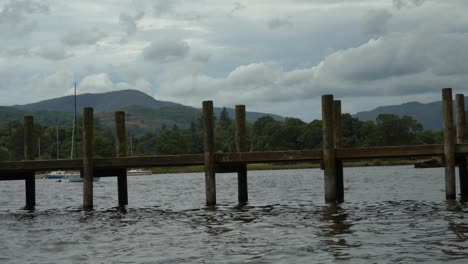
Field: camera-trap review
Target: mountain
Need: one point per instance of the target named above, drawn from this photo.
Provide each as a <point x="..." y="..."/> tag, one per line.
<point x="249" y="116"/>
<point x="102" y="102"/>
<point x="144" y="113"/>
<point x="429" y="114"/>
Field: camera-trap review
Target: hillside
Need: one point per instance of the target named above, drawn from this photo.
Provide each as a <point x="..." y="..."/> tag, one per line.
<point x="102" y="102"/>
<point x="429" y="115"/>
<point x="144" y="113"/>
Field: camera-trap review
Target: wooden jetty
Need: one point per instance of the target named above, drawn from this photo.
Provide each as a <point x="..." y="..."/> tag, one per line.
<point x="453" y="150"/>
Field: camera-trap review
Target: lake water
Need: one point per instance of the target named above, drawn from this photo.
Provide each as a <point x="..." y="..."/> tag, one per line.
<point x="390" y="215"/>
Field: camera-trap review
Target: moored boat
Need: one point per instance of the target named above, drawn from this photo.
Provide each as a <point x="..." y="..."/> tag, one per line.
<point x="137" y="172"/>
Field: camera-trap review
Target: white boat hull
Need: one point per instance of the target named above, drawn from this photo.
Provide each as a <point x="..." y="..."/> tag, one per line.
<point x="77" y="178"/>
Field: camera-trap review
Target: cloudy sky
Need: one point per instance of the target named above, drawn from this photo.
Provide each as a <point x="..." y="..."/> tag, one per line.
<point x="276" y="56"/>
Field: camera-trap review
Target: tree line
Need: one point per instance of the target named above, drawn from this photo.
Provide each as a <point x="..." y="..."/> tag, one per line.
<point x="265" y="134"/>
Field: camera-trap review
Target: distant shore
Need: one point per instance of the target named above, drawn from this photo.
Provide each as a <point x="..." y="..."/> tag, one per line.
<point x="270" y="166"/>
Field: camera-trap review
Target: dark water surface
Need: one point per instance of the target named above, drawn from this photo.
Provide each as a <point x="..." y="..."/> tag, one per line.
<point x="391" y="215"/>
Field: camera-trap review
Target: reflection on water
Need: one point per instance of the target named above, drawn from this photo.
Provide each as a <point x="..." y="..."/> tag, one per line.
<point x="334" y="228"/>
<point x="388" y="217"/>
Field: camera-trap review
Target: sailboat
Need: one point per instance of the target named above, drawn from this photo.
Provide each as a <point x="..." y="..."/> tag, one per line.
<point x="75" y="176"/>
<point x="61" y="174"/>
<point x="136" y="172"/>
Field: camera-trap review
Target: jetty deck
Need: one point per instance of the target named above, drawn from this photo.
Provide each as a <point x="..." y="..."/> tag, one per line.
<point x="453" y="150"/>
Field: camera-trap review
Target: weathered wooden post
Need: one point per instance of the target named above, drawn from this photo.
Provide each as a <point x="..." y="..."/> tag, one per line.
<point x="88" y="166"/>
<point x="449" y="144"/>
<point x="208" y="144"/>
<point x="30" y="180"/>
<point x="241" y="146"/>
<point x="338" y="144"/>
<point x="121" y="151"/>
<point x="462" y="162"/>
<point x="329" y="160"/>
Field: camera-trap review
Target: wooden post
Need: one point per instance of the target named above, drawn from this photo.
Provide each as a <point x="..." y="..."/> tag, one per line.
<point x="30" y="180"/>
<point x="329" y="160"/>
<point x="208" y="144"/>
<point x="88" y="137"/>
<point x="449" y="144"/>
<point x="338" y="144"/>
<point x="241" y="146"/>
<point x="121" y="151"/>
<point x="462" y="162"/>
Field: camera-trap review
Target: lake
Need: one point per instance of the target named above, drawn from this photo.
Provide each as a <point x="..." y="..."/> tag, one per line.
<point x="390" y="215"/>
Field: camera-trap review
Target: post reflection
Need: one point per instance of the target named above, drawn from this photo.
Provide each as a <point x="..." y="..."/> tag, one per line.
<point x="335" y="228"/>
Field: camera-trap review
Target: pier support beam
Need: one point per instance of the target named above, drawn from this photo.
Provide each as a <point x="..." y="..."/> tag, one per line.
<point x="338" y="144"/>
<point x="449" y="144"/>
<point x="241" y="146"/>
<point x="30" y="180"/>
<point x="208" y="144"/>
<point x="121" y="151"/>
<point x="462" y="162"/>
<point x="88" y="166"/>
<point x="329" y="157"/>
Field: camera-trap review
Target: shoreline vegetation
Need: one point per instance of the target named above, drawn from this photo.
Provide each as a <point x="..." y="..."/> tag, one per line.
<point x="276" y="166"/>
<point x="289" y="166"/>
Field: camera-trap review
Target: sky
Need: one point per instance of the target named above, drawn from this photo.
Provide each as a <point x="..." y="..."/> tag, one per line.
<point x="274" y="56"/>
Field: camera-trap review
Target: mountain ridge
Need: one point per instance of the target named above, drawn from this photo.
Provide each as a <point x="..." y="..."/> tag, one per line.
<point x="428" y="114"/>
<point x="144" y="113"/>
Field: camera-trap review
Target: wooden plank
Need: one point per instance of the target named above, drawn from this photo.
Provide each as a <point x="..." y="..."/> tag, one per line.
<point x="150" y="161"/>
<point x="390" y="152"/>
<point x="461" y="149"/>
<point x="329" y="156"/>
<point x="241" y="146"/>
<point x="229" y="168"/>
<point x="208" y="146"/>
<point x="40" y="165"/>
<point x="314" y="155"/>
<point x="269" y="156"/>
<point x="13" y="175"/>
<point x="449" y="144"/>
<point x="88" y="167"/>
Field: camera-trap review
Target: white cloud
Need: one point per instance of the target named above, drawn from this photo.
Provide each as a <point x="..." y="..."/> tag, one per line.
<point x="83" y="37"/>
<point x="396" y="65"/>
<point x="277" y="55"/>
<point x="101" y="83"/>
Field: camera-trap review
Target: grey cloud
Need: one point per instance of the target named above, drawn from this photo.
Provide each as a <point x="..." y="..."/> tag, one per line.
<point x="237" y="7"/>
<point x="277" y="23"/>
<point x="375" y="22"/>
<point x="54" y="54"/>
<point x="15" y="17"/>
<point x="164" y="6"/>
<point x="400" y="64"/>
<point x="16" y="52"/>
<point x="166" y="51"/>
<point x="399" y="4"/>
<point x="128" y="22"/>
<point x="83" y="37"/>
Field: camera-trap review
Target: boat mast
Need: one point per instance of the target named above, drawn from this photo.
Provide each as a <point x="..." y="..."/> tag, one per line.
<point x="73" y="150"/>
<point x="39" y="146"/>
<point x="131" y="143"/>
<point x="57" y="133"/>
